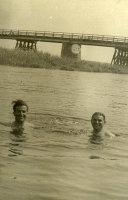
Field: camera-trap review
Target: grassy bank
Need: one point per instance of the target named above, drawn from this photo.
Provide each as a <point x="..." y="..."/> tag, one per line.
<point x="47" y="61"/>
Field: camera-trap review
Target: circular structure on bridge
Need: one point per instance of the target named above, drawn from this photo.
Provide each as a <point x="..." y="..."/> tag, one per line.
<point x="75" y="48"/>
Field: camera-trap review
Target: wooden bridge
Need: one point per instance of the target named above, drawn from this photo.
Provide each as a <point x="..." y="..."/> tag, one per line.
<point x="71" y="42"/>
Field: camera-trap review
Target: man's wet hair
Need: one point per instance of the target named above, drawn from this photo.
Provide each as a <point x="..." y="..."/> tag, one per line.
<point x="99" y="113"/>
<point x="19" y="102"/>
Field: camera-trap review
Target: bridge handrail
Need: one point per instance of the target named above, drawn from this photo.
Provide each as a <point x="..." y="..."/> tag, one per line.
<point x="64" y="35"/>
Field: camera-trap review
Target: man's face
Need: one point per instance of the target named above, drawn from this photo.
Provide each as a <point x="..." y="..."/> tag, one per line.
<point x="97" y="122"/>
<point x="20" y="113"/>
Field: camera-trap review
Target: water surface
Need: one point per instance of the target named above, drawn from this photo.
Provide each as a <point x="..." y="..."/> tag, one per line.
<point x="57" y="162"/>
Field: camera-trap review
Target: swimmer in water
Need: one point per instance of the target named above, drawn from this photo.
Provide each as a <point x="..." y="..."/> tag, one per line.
<point x="20" y="110"/>
<point x="98" y="121"/>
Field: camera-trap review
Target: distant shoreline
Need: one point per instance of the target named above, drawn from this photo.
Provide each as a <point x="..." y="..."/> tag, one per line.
<point x="47" y="61"/>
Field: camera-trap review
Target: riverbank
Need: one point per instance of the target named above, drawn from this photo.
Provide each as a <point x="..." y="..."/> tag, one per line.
<point x="47" y="61"/>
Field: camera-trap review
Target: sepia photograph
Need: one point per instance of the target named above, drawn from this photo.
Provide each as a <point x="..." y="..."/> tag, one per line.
<point x="63" y="99"/>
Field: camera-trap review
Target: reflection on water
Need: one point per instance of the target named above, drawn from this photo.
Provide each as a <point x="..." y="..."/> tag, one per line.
<point x="15" y="146"/>
<point x="62" y="160"/>
<point x="14" y="149"/>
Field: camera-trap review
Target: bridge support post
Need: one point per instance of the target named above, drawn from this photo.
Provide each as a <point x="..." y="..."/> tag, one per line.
<point x="71" y="50"/>
<point x="120" y="56"/>
<point x="26" y="45"/>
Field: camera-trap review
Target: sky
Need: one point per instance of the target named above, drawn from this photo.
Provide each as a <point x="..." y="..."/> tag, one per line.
<point x="103" y="17"/>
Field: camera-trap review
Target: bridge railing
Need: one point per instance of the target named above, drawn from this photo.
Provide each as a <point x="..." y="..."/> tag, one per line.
<point x="63" y="35"/>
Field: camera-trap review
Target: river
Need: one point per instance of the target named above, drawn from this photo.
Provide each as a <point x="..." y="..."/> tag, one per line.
<point x="57" y="162"/>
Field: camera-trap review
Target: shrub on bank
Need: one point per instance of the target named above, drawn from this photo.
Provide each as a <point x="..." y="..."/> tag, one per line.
<point x="45" y="60"/>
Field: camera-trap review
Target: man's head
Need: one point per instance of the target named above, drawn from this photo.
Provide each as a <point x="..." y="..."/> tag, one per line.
<point x="98" y="121"/>
<point x="20" y="109"/>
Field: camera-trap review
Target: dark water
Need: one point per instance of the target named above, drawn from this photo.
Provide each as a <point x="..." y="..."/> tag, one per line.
<point x="57" y="162"/>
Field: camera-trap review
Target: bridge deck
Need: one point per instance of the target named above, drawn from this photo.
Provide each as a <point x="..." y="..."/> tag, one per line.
<point x="60" y="37"/>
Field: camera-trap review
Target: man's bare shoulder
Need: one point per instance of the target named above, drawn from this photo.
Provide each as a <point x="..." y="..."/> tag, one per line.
<point x="25" y="125"/>
<point x="29" y="124"/>
<point x="108" y="133"/>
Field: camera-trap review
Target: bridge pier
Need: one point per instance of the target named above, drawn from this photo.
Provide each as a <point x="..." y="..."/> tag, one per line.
<point x="26" y="45"/>
<point x="120" y="56"/>
<point x="71" y="50"/>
